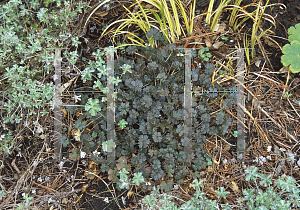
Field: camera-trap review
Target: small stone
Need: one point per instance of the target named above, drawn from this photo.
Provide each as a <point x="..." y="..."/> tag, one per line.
<point x="208" y="43"/>
<point x="221" y="28"/>
<point x="217" y="45"/>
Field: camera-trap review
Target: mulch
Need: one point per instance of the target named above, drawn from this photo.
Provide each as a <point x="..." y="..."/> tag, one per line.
<point x="272" y="130"/>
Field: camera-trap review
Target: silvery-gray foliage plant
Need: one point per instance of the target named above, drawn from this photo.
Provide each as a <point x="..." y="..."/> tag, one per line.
<point x="266" y="194"/>
<point x="29" y="32"/>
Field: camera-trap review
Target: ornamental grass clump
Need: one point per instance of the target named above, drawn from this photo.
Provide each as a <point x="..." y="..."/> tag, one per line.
<point x="160" y="17"/>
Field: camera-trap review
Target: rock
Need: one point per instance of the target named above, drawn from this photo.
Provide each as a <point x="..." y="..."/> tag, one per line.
<point x="217" y="45"/>
<point x="208" y="43"/>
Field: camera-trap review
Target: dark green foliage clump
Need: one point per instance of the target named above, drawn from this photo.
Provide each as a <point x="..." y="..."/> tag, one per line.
<point x="151" y="100"/>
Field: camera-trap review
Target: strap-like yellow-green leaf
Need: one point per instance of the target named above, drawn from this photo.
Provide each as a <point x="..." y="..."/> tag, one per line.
<point x="183" y="15"/>
<point x="192" y="17"/>
<point x="175" y="14"/>
<point x="166" y="12"/>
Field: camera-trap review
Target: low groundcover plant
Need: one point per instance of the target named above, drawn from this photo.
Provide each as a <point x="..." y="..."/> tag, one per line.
<point x="256" y="199"/>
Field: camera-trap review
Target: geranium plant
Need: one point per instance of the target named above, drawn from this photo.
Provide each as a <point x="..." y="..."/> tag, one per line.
<point x="292" y="51"/>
